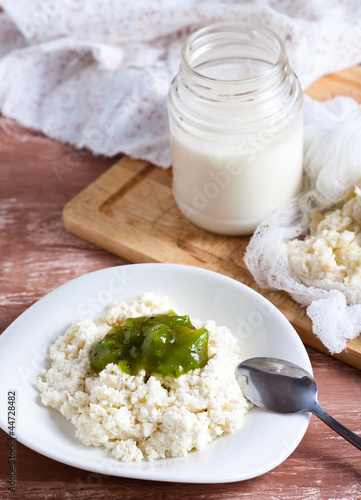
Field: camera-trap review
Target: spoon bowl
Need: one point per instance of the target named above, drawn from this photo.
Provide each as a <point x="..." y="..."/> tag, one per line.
<point x="283" y="387"/>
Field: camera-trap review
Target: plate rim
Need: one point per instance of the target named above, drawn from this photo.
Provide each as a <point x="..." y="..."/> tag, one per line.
<point x="147" y="474"/>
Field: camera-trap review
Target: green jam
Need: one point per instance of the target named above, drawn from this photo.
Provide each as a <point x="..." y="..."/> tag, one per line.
<point x="166" y="344"/>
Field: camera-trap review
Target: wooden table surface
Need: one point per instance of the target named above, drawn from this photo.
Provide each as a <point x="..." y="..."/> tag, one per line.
<point x="38" y="177"/>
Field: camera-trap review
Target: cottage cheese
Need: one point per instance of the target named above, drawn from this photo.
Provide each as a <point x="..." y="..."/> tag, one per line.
<point x="143" y="417"/>
<point x="330" y="257"/>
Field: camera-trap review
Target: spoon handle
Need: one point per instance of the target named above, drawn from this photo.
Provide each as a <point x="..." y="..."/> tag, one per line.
<point x="350" y="436"/>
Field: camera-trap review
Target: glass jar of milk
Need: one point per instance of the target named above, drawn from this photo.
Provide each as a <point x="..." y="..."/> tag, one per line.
<point x="235" y="111"/>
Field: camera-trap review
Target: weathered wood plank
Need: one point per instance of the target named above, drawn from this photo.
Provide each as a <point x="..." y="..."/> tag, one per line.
<point x="38" y="177"/>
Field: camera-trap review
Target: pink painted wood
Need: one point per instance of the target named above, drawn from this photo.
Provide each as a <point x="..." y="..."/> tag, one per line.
<point x="38" y="177"/>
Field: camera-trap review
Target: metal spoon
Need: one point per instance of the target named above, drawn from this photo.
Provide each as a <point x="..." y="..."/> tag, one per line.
<point x="283" y="387"/>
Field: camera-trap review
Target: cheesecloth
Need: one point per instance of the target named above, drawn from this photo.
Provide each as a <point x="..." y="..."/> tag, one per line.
<point x="332" y="162"/>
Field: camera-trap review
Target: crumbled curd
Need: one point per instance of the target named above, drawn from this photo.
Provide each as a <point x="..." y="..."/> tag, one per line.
<point x="330" y="257"/>
<point x="143" y="417"/>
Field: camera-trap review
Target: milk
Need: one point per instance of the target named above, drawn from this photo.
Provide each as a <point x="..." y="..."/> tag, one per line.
<point x="235" y="114"/>
<point x="230" y="188"/>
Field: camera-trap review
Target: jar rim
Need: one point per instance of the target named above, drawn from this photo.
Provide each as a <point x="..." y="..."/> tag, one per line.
<point x="237" y="27"/>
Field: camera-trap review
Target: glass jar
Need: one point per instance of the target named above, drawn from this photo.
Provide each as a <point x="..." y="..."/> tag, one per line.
<point x="235" y="111"/>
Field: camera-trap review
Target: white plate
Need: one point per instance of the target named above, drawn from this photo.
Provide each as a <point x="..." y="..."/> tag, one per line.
<point x="264" y="441"/>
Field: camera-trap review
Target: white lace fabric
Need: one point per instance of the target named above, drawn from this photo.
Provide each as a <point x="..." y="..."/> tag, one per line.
<point x="96" y="74"/>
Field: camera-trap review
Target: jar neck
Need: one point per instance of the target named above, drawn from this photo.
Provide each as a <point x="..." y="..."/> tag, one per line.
<point x="237" y="70"/>
<point x="228" y="60"/>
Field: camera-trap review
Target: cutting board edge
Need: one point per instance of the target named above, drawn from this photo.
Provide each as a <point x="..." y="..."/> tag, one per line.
<point x="350" y="355"/>
<point x="75" y="226"/>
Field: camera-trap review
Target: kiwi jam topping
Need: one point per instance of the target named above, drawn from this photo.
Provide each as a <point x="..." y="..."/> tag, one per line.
<point x="166" y="344"/>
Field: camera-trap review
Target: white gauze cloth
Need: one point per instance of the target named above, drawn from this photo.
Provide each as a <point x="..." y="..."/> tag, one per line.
<point x="332" y="165"/>
<point x="96" y="73"/>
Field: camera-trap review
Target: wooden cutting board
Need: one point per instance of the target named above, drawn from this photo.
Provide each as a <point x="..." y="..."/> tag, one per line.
<point x="130" y="211"/>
